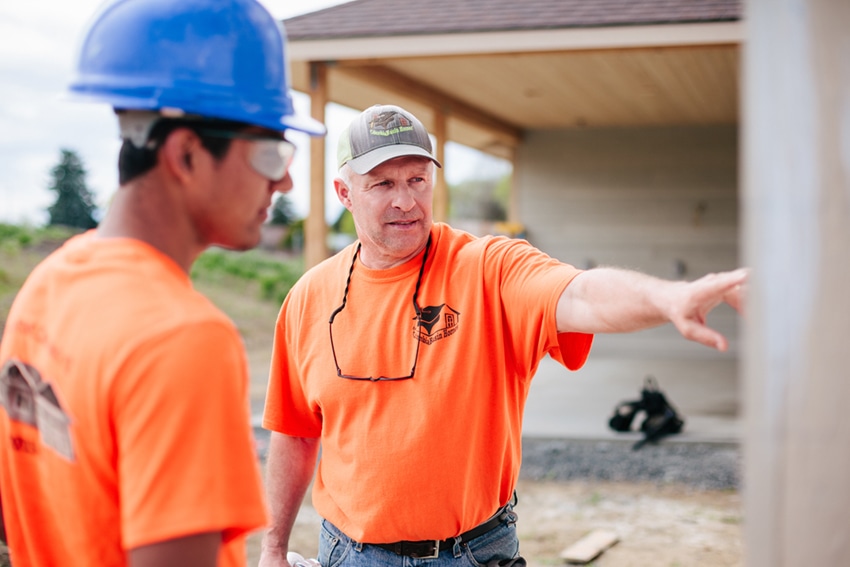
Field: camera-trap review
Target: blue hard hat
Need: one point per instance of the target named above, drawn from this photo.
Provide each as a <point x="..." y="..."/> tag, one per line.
<point x="214" y="58"/>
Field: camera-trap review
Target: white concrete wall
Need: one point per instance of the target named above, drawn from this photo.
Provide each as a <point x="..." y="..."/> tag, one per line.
<point x="663" y="201"/>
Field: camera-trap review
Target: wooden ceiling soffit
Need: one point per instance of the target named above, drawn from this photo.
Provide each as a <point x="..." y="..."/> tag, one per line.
<point x="454" y="109"/>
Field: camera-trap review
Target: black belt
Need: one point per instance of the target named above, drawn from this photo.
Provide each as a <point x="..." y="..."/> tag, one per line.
<point x="430" y="549"/>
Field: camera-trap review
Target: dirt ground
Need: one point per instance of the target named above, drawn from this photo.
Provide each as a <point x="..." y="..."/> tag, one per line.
<point x="658" y="526"/>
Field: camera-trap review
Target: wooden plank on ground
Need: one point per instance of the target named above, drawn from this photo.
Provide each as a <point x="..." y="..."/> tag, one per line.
<point x="590" y="546"/>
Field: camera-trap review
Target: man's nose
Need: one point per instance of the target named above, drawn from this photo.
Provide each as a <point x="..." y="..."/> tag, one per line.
<point x="284" y="185"/>
<point x="403" y="198"/>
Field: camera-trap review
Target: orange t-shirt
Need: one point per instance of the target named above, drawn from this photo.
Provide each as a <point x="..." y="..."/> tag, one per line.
<point x="126" y="419"/>
<point x="435" y="455"/>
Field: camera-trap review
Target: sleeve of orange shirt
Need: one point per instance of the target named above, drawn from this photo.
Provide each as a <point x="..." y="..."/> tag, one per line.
<point x="287" y="408"/>
<point x="527" y="274"/>
<point x="186" y="458"/>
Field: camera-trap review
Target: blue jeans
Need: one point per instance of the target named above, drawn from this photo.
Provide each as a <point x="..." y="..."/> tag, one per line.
<point x="338" y="550"/>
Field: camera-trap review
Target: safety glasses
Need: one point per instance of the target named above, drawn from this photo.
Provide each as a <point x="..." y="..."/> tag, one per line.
<point x="268" y="155"/>
<point x="418" y="320"/>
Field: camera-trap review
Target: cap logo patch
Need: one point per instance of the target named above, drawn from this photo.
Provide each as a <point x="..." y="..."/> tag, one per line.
<point x="389" y="124"/>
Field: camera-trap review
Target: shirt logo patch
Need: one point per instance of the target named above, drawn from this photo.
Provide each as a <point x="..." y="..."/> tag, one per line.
<point x="438" y="322"/>
<point x="28" y="399"/>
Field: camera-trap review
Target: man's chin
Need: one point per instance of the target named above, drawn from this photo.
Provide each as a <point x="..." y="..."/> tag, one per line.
<point x="241" y="245"/>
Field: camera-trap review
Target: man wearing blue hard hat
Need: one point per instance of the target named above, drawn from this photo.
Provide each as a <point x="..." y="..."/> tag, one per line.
<point x="124" y="426"/>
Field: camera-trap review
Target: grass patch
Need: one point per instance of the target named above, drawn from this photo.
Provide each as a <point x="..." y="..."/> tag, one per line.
<point x="21" y="249"/>
<point x="270" y="277"/>
<point x="248" y="286"/>
<point x="14" y="238"/>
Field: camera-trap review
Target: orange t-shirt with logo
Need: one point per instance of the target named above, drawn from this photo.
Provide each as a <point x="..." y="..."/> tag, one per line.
<point x="435" y="455"/>
<point x="124" y="417"/>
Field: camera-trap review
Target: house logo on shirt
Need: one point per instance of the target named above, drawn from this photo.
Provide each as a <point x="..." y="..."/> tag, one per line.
<point x="438" y="322"/>
<point x="28" y="399"/>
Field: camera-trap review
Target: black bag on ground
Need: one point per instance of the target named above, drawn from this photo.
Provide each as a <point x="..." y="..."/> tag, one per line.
<point x="624" y="414"/>
<point x="661" y="417"/>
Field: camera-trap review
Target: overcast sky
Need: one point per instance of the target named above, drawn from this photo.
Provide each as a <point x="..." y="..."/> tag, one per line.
<point x="38" y="46"/>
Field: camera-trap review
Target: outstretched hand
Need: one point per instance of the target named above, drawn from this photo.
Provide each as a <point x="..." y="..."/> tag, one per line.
<point x="611" y="300"/>
<point x="692" y="302"/>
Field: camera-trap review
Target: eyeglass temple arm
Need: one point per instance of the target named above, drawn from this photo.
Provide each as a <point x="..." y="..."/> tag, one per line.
<point x="347" y="285"/>
<point x="419" y="279"/>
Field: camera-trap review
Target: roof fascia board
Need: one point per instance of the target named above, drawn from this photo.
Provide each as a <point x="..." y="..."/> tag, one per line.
<point x="526" y="41"/>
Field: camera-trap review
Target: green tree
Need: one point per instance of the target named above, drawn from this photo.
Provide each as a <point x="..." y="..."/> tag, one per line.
<point x="74" y="204"/>
<point x="344" y="223"/>
<point x="480" y="199"/>
<point x="283" y="213"/>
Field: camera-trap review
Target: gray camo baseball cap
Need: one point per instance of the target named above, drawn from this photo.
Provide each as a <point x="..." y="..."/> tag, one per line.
<point x="380" y="133"/>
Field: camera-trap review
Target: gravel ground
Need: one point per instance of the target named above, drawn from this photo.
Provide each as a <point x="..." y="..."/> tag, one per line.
<point x="704" y="466"/>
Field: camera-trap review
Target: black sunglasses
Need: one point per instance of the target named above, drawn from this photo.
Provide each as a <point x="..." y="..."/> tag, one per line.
<point x="416" y="307"/>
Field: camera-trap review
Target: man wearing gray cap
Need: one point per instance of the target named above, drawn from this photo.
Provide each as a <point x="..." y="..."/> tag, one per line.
<point x="408" y="357"/>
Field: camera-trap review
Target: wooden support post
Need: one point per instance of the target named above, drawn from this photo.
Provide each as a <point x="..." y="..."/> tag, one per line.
<point x="796" y="134"/>
<point x="441" y="189"/>
<point x="316" y="230"/>
<point x="514" y="214"/>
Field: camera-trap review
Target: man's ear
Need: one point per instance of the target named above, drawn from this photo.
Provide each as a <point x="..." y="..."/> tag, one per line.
<point x="178" y="153"/>
<point x="342" y="193"/>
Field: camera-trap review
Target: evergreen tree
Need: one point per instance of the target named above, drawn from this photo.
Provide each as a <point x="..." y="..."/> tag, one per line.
<point x="283" y="212"/>
<point x="480" y="199"/>
<point x="344" y="223"/>
<point x="74" y="204"/>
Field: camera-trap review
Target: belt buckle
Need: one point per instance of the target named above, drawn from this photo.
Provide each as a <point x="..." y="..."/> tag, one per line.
<point x="434" y="554"/>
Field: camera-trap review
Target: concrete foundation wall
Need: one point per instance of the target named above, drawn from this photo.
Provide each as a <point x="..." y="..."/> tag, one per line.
<point x="663" y="201"/>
